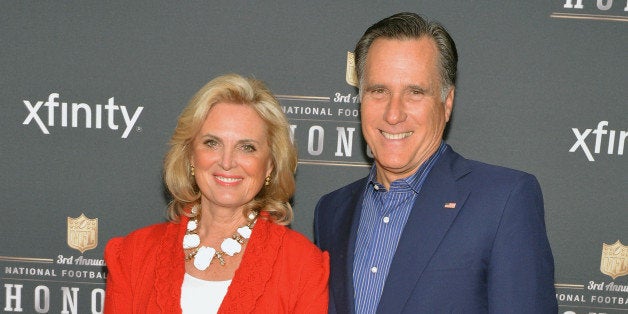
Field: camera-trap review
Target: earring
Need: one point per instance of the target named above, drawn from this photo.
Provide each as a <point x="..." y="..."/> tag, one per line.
<point x="192" y="170"/>
<point x="267" y="181"/>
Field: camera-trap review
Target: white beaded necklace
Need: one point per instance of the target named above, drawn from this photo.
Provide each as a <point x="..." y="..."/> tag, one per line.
<point x="203" y="255"/>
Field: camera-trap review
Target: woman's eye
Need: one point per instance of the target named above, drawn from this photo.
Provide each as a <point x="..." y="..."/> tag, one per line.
<point x="211" y="143"/>
<point x="248" y="148"/>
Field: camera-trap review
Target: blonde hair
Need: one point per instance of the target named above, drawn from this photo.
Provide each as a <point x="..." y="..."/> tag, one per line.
<point x="273" y="198"/>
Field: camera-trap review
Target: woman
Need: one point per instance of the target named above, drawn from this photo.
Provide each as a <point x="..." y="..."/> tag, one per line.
<point x="230" y="170"/>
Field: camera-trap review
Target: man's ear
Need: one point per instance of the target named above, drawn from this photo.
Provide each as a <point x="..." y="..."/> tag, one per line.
<point x="449" y="103"/>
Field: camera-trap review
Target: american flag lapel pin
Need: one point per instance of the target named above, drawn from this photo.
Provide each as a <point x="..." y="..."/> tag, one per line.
<point x="450" y="205"/>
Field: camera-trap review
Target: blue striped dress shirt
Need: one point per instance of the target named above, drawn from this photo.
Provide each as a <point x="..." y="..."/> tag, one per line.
<point x="384" y="215"/>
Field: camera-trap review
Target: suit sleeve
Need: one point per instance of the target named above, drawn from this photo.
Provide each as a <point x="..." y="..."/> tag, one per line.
<point x="317" y="232"/>
<point x="521" y="269"/>
<point x="118" y="296"/>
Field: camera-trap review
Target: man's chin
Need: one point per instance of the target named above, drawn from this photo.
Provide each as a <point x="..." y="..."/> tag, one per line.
<point x="394" y="166"/>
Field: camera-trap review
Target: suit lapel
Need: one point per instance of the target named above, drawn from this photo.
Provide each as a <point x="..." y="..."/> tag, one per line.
<point x="346" y="224"/>
<point x="429" y="221"/>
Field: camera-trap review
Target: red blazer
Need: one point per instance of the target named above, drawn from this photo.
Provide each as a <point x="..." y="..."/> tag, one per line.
<point x="281" y="272"/>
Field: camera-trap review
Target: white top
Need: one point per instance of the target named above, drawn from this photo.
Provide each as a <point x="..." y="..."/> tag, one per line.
<point x="202" y="296"/>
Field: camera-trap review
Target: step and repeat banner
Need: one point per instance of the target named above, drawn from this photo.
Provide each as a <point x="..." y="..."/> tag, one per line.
<point x="91" y="92"/>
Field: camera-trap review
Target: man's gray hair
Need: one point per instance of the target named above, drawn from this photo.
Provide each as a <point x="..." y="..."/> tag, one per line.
<point x="408" y="25"/>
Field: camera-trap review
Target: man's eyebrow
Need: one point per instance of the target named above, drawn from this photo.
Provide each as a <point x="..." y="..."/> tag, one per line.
<point x="417" y="87"/>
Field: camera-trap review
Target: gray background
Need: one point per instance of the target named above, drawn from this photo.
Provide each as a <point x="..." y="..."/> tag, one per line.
<point x="529" y="72"/>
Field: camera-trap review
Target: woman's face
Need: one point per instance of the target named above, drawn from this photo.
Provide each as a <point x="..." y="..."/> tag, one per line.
<point x="231" y="156"/>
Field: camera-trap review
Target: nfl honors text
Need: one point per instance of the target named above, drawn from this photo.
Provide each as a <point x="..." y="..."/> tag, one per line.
<point x="39" y="285"/>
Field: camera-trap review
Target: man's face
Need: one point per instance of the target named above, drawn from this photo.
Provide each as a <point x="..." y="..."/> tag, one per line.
<point x="403" y="114"/>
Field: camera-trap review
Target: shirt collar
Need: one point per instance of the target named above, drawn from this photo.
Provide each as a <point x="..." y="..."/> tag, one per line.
<point x="412" y="182"/>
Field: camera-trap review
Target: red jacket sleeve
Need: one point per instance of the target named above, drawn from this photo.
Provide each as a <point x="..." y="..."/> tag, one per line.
<point x="118" y="296"/>
<point x="313" y="292"/>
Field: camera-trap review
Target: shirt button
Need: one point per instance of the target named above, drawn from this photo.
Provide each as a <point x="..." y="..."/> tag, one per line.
<point x="376" y="187"/>
<point x="386" y="219"/>
<point x="374" y="269"/>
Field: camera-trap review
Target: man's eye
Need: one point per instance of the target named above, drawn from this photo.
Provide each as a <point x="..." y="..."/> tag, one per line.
<point x="378" y="91"/>
<point x="416" y="94"/>
<point x="416" y="91"/>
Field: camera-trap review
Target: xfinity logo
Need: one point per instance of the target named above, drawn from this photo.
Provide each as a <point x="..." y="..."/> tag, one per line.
<point x="601" y="135"/>
<point x="60" y="112"/>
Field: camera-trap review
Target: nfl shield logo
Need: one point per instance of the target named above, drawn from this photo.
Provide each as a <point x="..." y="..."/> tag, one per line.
<point x="614" y="259"/>
<point x="351" y="76"/>
<point x="82" y="233"/>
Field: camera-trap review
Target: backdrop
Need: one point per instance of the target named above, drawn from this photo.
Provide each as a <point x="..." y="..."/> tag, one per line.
<point x="91" y="92"/>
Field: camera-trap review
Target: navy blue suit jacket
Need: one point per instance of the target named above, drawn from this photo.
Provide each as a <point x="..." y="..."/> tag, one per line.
<point x="487" y="254"/>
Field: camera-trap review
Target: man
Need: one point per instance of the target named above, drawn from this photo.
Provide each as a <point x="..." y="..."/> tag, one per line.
<point x="429" y="231"/>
